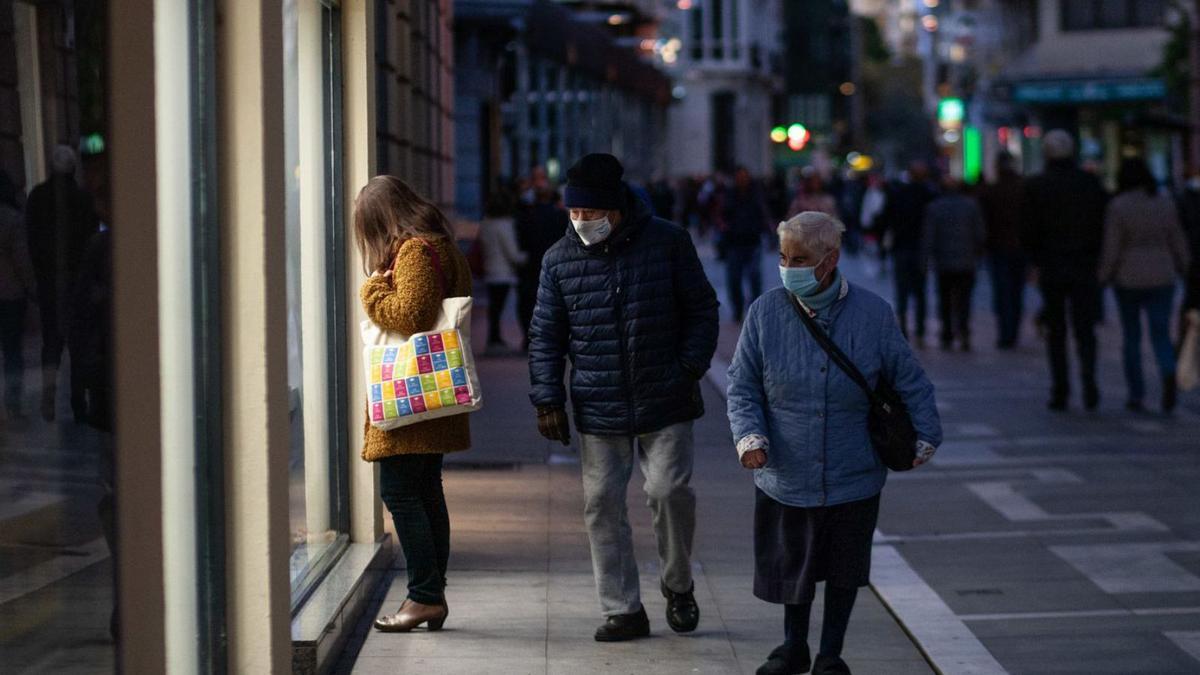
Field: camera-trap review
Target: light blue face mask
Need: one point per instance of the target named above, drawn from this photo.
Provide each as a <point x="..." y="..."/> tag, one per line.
<point x="801" y="281"/>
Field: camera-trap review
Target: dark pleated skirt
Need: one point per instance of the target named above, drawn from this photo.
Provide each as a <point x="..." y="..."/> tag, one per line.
<point x="796" y="547"/>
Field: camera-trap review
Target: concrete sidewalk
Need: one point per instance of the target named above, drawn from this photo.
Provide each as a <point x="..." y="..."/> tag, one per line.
<point x="521" y="593"/>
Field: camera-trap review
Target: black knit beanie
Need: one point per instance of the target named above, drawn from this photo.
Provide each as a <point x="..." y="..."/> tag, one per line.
<point x="595" y="183"/>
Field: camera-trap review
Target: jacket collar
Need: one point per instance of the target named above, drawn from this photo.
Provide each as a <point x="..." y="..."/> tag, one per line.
<point x="842" y="293"/>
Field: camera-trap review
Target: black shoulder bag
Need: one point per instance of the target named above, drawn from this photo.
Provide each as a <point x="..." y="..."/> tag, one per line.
<point x="890" y="427"/>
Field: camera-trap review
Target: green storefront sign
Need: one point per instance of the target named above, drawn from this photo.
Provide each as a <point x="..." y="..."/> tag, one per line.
<point x="1090" y="91"/>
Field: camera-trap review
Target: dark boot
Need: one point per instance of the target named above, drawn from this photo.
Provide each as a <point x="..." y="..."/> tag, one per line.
<point x="622" y="627"/>
<point x="1170" y="394"/>
<point x="683" y="614"/>
<point x="786" y="659"/>
<point x="830" y="665"/>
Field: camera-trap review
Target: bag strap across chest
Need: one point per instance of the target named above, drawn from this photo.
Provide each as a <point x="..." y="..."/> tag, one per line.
<point x="835" y="354"/>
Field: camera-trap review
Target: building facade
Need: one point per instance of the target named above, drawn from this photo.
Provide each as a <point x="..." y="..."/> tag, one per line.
<point x="537" y="86"/>
<point x="221" y="154"/>
<point x="726" y="75"/>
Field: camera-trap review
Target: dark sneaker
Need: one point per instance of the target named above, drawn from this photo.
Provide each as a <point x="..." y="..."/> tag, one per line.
<point x="786" y="659"/>
<point x="830" y="665"/>
<point x="683" y="614"/>
<point x="622" y="627"/>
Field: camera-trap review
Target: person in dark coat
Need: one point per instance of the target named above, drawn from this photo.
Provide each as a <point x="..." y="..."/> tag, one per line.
<point x="1062" y="231"/>
<point x="60" y="222"/>
<point x="904" y="217"/>
<point x="745" y="220"/>
<point x="1189" y="218"/>
<point x="539" y="225"/>
<point x="623" y="296"/>
<point x="1001" y="203"/>
<point x="953" y="240"/>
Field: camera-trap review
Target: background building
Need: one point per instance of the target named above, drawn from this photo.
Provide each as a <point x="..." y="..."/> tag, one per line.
<point x="727" y="74"/>
<point x="538" y="83"/>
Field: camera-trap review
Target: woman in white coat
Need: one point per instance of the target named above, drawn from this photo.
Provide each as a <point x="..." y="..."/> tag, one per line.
<point x="501" y="261"/>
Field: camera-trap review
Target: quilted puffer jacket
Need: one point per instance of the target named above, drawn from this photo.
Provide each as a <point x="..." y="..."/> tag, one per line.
<point x="636" y="316"/>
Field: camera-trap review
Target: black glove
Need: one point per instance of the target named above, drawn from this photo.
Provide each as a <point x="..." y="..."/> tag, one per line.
<point x="553" y="424"/>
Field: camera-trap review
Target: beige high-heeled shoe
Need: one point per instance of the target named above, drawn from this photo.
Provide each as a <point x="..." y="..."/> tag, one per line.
<point x="412" y="614"/>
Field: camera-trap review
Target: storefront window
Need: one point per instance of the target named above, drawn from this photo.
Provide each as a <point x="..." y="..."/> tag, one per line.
<point x="315" y="352"/>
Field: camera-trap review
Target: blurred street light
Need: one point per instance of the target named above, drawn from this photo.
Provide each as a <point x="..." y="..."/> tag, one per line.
<point x="847" y="89"/>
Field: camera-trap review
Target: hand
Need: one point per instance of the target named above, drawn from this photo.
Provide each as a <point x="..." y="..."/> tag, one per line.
<point x="754" y="459"/>
<point x="553" y="424"/>
<point x="924" y="453"/>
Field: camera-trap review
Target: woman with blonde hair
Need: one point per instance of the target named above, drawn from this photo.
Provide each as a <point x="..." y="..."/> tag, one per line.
<point x="409" y="250"/>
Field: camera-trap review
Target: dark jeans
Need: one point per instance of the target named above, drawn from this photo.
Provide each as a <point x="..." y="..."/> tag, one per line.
<point x="1078" y="299"/>
<point x="497" y="298"/>
<point x="1008" y="291"/>
<point x="910" y="283"/>
<point x="954" y="304"/>
<point x="12" y="330"/>
<point x="54" y="342"/>
<point x="1156" y="302"/>
<point x="742" y="263"/>
<point x="527" y="288"/>
<point x="411" y="487"/>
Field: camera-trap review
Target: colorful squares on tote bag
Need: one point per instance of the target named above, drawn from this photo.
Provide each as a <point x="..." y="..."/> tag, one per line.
<point x="377" y="412"/>
<point x="420" y="345"/>
<point x="376" y="356"/>
<point x="443" y="380"/>
<point x="386" y="371"/>
<point x="400" y="389"/>
<point x="450" y="340"/>
<point x="418" y="404"/>
<point x="458" y="377"/>
<point x="454" y="358"/>
<point x="413" y="384"/>
<point x="425" y="364"/>
<point x="389" y="410"/>
<point x="440" y="362"/>
<point x="429" y="383"/>
<point x="412" y="367"/>
<point x="447" y="397"/>
<point x="389" y="355"/>
<point x="376" y="393"/>
<point x="376" y="373"/>
<point x="462" y="395"/>
<point x="433" y="401"/>
<point x="436" y="344"/>
<point x="403" y="407"/>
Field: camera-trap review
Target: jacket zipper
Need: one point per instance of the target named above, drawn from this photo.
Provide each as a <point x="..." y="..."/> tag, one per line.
<point x="618" y="307"/>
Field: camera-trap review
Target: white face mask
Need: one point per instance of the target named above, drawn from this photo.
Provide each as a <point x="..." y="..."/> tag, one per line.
<point x="593" y="232"/>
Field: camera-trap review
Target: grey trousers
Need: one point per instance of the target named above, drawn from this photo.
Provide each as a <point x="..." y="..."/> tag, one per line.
<point x="666" y="462"/>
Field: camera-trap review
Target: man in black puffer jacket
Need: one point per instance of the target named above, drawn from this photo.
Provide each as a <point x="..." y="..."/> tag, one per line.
<point x="624" y="297"/>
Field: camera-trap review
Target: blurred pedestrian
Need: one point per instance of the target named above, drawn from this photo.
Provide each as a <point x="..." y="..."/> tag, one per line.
<point x="1145" y="252"/>
<point x="954" y="244"/>
<point x="903" y="221"/>
<point x="623" y="296"/>
<point x="1062" y="214"/>
<point x="502" y="260"/>
<point x="408" y="247"/>
<point x="17" y="288"/>
<point x="541" y="223"/>
<point x="746" y="219"/>
<point x="662" y="198"/>
<point x="1001" y="203"/>
<point x="1189" y="214"/>
<point x="60" y="222"/>
<point x="804" y="431"/>
<point x="873" y="202"/>
<point x="812" y="196"/>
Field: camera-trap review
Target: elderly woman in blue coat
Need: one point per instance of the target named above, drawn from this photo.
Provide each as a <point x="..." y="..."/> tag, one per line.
<point x="801" y="424"/>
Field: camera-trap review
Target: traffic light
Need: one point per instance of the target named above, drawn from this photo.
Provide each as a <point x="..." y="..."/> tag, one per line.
<point x="796" y="136"/>
<point x="950" y="113"/>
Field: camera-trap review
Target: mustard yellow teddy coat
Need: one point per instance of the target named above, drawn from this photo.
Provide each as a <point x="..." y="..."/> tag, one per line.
<point x="408" y="302"/>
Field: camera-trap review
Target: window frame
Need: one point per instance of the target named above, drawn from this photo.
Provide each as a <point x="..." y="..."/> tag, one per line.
<point x="1096" y="23"/>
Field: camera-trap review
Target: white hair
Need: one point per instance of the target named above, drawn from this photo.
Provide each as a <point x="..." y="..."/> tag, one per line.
<point x="1058" y="144"/>
<point x="818" y="231"/>
<point x="62" y="159"/>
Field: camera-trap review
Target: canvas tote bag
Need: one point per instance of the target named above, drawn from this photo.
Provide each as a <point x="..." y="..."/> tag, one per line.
<point x="424" y="376"/>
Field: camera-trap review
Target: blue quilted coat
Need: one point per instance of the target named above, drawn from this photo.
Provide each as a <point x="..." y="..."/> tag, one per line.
<point x="637" y="318"/>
